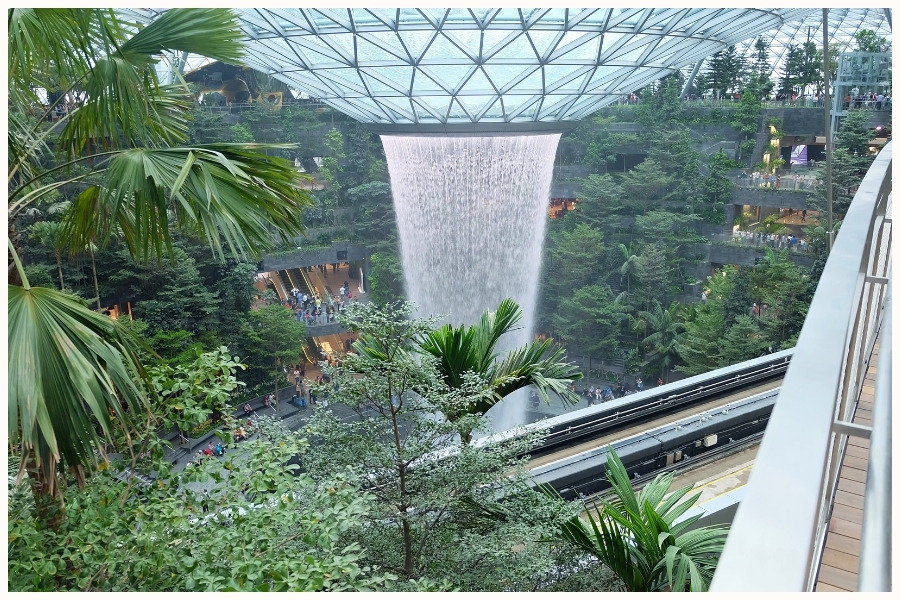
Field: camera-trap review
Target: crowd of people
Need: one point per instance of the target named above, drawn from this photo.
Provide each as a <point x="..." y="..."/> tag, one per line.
<point x="775" y="181"/>
<point x="319" y="310"/>
<point x="773" y="240"/>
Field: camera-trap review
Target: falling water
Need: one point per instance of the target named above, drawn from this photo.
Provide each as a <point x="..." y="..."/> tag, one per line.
<point x="471" y="212"/>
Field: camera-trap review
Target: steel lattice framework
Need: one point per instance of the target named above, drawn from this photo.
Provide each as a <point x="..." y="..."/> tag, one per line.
<point x="463" y="66"/>
<point x="843" y="25"/>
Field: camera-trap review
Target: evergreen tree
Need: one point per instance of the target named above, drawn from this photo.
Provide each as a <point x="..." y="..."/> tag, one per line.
<point x="742" y="341"/>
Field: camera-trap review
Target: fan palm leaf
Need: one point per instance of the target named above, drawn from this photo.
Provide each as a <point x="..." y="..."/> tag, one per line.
<point x="473" y="349"/>
<point x="71" y="373"/>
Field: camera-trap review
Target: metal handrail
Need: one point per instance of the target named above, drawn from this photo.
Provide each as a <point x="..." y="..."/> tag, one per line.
<point x="875" y="542"/>
<point x="777" y="535"/>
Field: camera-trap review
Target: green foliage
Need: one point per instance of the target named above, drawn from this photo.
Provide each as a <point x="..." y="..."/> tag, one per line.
<point x="590" y="319"/>
<point x="464" y="350"/>
<point x="193" y="393"/>
<point x="637" y="536"/>
<point x="270" y="340"/>
<point x="241" y="134"/>
<point x="869" y="41"/>
<point x="254" y="524"/>
<point x="410" y="461"/>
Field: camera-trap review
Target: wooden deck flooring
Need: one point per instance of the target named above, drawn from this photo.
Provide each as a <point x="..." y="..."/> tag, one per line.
<point x="839" y="569"/>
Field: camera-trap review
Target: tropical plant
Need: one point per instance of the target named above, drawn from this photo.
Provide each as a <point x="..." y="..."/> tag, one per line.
<point x="71" y="370"/>
<point x="463" y="349"/>
<point x="640" y="538"/>
<point x="662" y="344"/>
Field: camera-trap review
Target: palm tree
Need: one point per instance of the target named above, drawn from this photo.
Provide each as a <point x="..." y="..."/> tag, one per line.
<point x="631" y="266"/>
<point x="473" y="349"/>
<point x="638" y="538"/>
<point x="667" y="328"/>
<point x="72" y="372"/>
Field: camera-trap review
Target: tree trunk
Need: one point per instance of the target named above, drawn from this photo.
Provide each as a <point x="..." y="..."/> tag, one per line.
<point x="59" y="269"/>
<point x="48" y="502"/>
<point x="94" y="269"/>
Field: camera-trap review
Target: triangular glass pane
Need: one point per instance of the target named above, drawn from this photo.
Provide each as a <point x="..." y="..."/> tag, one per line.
<point x="457" y="112"/>
<point x="552" y="105"/>
<point x="399" y="76"/>
<point x="370" y="54"/>
<point x="461" y="16"/>
<point x="411" y="16"/>
<point x="519" y="50"/>
<point x="444" y="49"/>
<point x="602" y="76"/>
<point x="437" y="14"/>
<point x="345" y="77"/>
<point x="480" y="13"/>
<point x="361" y="16"/>
<point x="543" y="41"/>
<point x="468" y="39"/>
<point x="577" y="45"/>
<point x="316" y="59"/>
<point x="572" y="86"/>
<point x="478" y="83"/>
<point x="631" y="55"/>
<point x="502" y="74"/>
<point x="439" y="104"/>
<point x="328" y="17"/>
<point x="390" y="39"/>
<point x="451" y="76"/>
<point x="415" y="41"/>
<point x="495" y="111"/>
<point x="422" y="84"/>
<point x="493" y="38"/>
<point x="533" y="84"/>
<point x="555" y="73"/>
<point x="610" y="41"/>
<point x="512" y="102"/>
<point x="341" y="42"/>
<point x="375" y="84"/>
<point x="506" y="15"/>
<point x="399" y="107"/>
<point x="598" y="17"/>
<point x="475" y="104"/>
<point x="554" y="16"/>
<point x="422" y="112"/>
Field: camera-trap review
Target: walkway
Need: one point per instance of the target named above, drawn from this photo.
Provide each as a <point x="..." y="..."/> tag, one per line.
<point x="839" y="566"/>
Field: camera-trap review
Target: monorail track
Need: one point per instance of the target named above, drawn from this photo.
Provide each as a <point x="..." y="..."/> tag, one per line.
<point x="601" y="440"/>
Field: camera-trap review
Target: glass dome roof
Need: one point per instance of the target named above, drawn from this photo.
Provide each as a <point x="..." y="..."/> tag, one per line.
<point x="464" y="66"/>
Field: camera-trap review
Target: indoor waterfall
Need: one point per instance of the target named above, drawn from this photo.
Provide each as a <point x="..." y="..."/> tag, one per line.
<point x="471" y="212"/>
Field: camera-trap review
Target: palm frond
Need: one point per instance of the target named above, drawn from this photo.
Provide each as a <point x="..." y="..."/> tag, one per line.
<point x="229" y="192"/>
<point x="71" y="373"/>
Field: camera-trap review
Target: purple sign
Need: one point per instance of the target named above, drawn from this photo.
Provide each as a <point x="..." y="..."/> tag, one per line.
<point x="798" y="155"/>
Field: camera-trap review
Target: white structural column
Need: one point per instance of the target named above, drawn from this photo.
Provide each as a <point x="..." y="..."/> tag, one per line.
<point x="471" y="212"/>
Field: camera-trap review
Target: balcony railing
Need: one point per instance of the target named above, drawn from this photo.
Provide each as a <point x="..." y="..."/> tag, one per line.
<point x="777" y="536"/>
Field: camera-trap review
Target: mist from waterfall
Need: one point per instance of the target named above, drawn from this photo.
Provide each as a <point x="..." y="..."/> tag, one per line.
<point x="472" y="213"/>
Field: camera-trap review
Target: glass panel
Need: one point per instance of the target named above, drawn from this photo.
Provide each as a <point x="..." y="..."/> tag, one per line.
<point x="518" y="49"/>
<point x="362" y="16"/>
<point x="555" y="73"/>
<point x="422" y="84"/>
<point x="343" y="41"/>
<point x="478" y="82"/>
<point x="501" y="75"/>
<point x="506" y="15"/>
<point x="390" y="39"/>
<point x="370" y="54"/>
<point x="439" y="104"/>
<point x="411" y="16"/>
<point x="461" y="16"/>
<point x="492" y="38"/>
<point x="442" y="49"/>
<point x="597" y="18"/>
<point x="416" y="41"/>
<point x="512" y="102"/>
<point x="584" y="48"/>
<point x="344" y="77"/>
<point x="555" y="16"/>
<point x="325" y="18"/>
<point x="375" y="84"/>
<point x="436" y="13"/>
<point x="475" y="104"/>
<point x="543" y="40"/>
<point x="468" y="39"/>
<point x="533" y="84"/>
<point x="457" y="112"/>
<point x="449" y="75"/>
